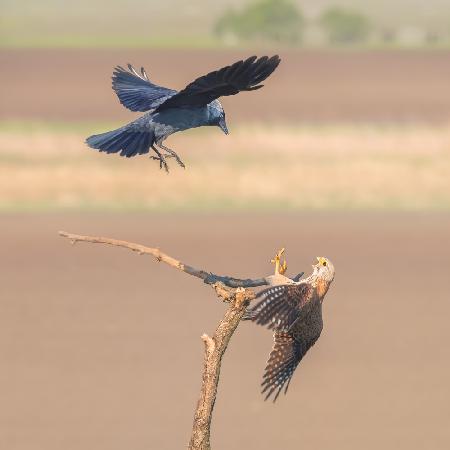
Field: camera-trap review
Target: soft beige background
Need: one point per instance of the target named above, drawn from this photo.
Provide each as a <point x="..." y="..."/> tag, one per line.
<point x="100" y="348"/>
<point x="344" y="153"/>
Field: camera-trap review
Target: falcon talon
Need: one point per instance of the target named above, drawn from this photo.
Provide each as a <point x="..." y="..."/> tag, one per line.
<point x="280" y="269"/>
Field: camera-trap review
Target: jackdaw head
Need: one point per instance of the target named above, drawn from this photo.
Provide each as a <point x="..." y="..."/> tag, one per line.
<point x="217" y="115"/>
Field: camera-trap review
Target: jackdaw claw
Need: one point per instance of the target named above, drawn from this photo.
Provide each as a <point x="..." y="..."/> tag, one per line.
<point x="177" y="159"/>
<point x="161" y="158"/>
<point x="171" y="154"/>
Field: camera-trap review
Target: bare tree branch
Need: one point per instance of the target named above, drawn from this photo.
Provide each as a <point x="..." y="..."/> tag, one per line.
<point x="232" y="290"/>
<point x="214" y="350"/>
<point x="207" y="277"/>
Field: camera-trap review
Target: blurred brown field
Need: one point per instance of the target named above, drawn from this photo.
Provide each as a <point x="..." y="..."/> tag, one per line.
<point x="278" y="168"/>
<point x="344" y="154"/>
<point x="100" y="348"/>
<point x="309" y="86"/>
<point x="331" y="129"/>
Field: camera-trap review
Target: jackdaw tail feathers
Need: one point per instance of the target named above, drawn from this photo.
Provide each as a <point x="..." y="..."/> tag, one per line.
<point x="129" y="142"/>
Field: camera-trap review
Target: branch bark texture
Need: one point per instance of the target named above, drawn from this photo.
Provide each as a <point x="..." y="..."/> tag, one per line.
<point x="207" y="277"/>
<point x="214" y="349"/>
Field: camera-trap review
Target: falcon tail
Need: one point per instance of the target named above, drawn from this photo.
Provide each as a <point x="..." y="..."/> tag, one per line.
<point x="126" y="140"/>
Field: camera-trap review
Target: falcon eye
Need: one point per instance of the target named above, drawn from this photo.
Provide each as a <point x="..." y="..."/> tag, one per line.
<point x="324" y="263"/>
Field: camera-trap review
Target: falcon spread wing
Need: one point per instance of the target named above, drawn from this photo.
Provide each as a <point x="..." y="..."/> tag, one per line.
<point x="287" y="352"/>
<point x="279" y="309"/>
<point x="136" y="92"/>
<point x="240" y="76"/>
<point x="280" y="306"/>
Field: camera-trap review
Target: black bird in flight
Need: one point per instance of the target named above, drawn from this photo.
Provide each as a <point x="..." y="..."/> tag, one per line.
<point x="169" y="111"/>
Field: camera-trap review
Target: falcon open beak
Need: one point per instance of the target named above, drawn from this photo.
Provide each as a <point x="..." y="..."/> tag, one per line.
<point x="223" y="125"/>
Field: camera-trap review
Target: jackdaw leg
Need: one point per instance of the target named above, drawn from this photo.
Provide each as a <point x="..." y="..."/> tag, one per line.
<point x="161" y="158"/>
<point x="171" y="154"/>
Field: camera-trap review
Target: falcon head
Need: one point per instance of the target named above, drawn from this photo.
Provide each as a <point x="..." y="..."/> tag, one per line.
<point x="324" y="269"/>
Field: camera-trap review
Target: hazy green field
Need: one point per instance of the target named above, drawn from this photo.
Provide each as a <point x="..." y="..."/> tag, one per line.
<point x="173" y="23"/>
<point x="337" y="167"/>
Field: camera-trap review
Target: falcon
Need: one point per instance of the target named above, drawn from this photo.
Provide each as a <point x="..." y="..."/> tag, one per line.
<point x="169" y="111"/>
<point x="293" y="310"/>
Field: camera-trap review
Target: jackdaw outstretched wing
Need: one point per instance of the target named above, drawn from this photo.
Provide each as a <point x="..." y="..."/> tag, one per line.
<point x="136" y="92"/>
<point x="240" y="76"/>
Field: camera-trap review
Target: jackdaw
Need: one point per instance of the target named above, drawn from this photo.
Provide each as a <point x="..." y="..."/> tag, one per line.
<point x="169" y="111"/>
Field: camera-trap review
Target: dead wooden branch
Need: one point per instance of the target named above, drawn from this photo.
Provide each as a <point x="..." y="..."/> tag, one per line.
<point x="207" y="277"/>
<point x="232" y="290"/>
<point x="214" y="350"/>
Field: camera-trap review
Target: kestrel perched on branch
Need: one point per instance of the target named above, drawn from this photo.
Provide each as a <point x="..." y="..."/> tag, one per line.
<point x="293" y="310"/>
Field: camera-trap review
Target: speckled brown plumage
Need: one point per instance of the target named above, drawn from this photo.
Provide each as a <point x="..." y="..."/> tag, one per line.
<point x="294" y="312"/>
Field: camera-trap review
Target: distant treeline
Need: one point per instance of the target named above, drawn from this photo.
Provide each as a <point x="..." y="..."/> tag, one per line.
<point x="282" y="21"/>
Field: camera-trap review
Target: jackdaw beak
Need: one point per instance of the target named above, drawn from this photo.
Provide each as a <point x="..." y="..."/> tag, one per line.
<point x="223" y="125"/>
